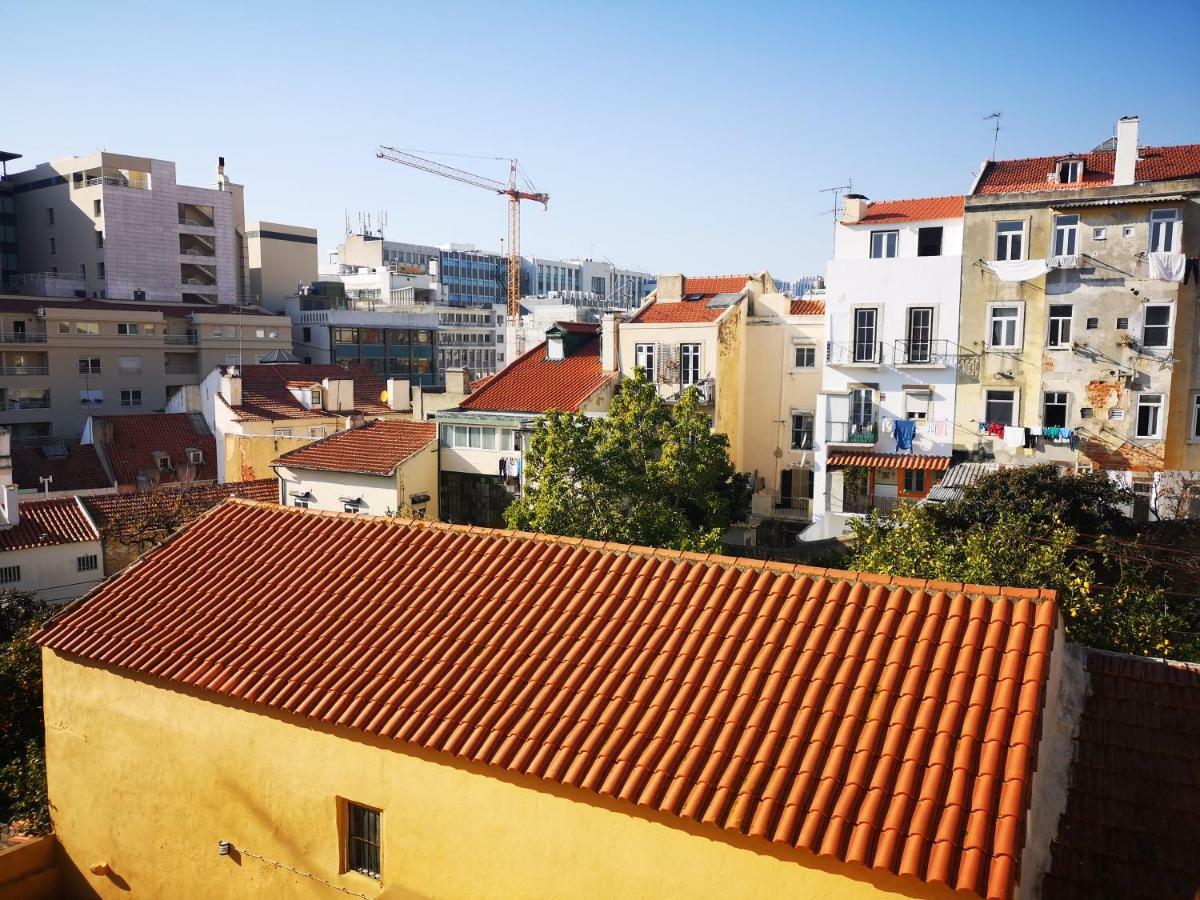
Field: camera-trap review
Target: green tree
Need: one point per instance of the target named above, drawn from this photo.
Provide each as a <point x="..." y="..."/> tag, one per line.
<point x="1032" y="527"/>
<point x="649" y="473"/>
<point x="22" y="749"/>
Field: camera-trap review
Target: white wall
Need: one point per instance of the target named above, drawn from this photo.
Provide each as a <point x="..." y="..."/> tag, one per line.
<point x="378" y="492"/>
<point x="53" y="572"/>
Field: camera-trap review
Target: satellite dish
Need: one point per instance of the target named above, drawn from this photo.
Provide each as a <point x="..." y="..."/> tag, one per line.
<point x="383" y="396"/>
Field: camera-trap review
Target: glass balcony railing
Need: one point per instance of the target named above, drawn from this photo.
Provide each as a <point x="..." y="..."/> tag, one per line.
<point x="852" y="432"/>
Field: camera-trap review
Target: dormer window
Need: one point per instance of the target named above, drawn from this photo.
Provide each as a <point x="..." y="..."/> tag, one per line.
<point x="554" y="346"/>
<point x="162" y="460"/>
<point x="314" y="399"/>
<point x="195" y="456"/>
<point x="1070" y="171"/>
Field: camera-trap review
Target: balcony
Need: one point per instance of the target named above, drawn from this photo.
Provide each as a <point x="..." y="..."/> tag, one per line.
<point x="862" y="504"/>
<point x="929" y="352"/>
<point x="853" y="353"/>
<point x="22" y="337"/>
<point x="21" y="403"/>
<point x="181" y="370"/>
<point x="24" y="370"/>
<point x="175" y="339"/>
<point x="793" y="509"/>
<point x="865" y="433"/>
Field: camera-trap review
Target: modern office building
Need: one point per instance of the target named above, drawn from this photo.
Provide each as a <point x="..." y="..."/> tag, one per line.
<point x="471" y="277"/>
<point x="281" y="259"/>
<point x="8" y="221"/>
<point x="121" y="227"/>
<point x="588" y="283"/>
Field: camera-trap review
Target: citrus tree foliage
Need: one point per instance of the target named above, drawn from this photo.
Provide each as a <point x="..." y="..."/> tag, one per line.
<point x="1031" y="527"/>
<point x="22" y="754"/>
<point x="649" y="473"/>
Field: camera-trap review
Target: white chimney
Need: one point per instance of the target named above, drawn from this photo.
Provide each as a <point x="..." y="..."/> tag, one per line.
<point x="669" y="288"/>
<point x="399" y="396"/>
<point x="6" y="466"/>
<point x="610" y="335"/>
<point x="10" y="506"/>
<point x="231" y="386"/>
<point x="1125" y="166"/>
<point x="854" y="208"/>
<point x="458" y="382"/>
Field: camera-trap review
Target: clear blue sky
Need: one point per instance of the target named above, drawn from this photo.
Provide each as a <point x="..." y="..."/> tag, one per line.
<point x="686" y="137"/>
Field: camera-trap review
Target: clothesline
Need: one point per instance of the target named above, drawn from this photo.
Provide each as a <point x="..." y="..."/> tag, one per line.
<point x="1018" y="437"/>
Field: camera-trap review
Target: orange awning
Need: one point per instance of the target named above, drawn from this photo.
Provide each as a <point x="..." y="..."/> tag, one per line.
<point x="890" y="461"/>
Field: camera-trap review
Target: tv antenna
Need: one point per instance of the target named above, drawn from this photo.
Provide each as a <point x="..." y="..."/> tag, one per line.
<point x="995" y="132"/>
<point x="836" y="212"/>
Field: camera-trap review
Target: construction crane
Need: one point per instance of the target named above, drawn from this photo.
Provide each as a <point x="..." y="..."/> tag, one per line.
<point x="511" y="190"/>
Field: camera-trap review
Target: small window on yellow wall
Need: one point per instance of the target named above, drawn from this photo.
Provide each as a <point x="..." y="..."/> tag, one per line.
<point x="362" y="844"/>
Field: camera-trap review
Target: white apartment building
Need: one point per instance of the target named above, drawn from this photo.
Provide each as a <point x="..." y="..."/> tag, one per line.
<point x="885" y="414"/>
<point x="118" y="226"/>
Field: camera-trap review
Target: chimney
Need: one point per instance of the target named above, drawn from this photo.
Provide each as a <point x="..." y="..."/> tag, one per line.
<point x="670" y="288"/>
<point x="231" y="386"/>
<point x="610" y="335"/>
<point x="854" y="208"/>
<point x="1125" y="166"/>
<point x="458" y="382"/>
<point x="399" y="397"/>
<point x="6" y="466"/>
<point x="556" y="345"/>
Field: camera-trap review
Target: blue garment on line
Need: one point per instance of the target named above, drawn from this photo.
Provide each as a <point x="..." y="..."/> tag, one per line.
<point x="904" y="430"/>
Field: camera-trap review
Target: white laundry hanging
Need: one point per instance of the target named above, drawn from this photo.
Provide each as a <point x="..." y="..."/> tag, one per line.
<point x="1167" y="266"/>
<point x="1017" y="269"/>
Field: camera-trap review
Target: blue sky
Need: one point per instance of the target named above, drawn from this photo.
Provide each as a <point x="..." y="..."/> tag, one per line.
<point x="672" y="137"/>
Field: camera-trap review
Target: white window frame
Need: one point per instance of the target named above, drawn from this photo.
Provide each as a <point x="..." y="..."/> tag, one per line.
<point x="1007" y="237"/>
<point x="131" y="397"/>
<point x="281" y="432"/>
<point x="910" y="328"/>
<point x="914" y="398"/>
<point x="86" y="367"/>
<point x="1055" y="339"/>
<point x="1069" y="171"/>
<point x="889" y="240"/>
<point x="1170" y="326"/>
<point x="810" y="350"/>
<point x="1066" y="404"/>
<point x="689" y="369"/>
<point x="1159" y="404"/>
<point x="1170" y="218"/>
<point x="646" y="356"/>
<point x="92" y="397"/>
<point x="1019" y="326"/>
<point x="1016" y="404"/>
<point x="876" y="314"/>
<point x="812" y="428"/>
<point x="1069" y="233"/>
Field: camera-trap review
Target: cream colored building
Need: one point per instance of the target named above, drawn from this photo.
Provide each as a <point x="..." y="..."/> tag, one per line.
<point x="281" y="259"/>
<point x="65" y="360"/>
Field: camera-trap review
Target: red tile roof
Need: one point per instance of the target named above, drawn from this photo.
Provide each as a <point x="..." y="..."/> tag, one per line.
<point x="376" y="448"/>
<point x="135" y="440"/>
<point x="891" y="723"/>
<point x="534" y="384"/>
<point x="807" y="308"/>
<point x="890" y="461"/>
<point x="46" y="523"/>
<point x="1154" y="164"/>
<point x="79" y="470"/>
<point x="920" y="209"/>
<point x="193" y="500"/>
<point x="1131" y="827"/>
<point x="714" y="284"/>
<point x="266" y="394"/>
<point x="681" y="312"/>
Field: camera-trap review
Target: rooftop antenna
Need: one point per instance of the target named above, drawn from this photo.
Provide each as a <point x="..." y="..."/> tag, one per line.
<point x="349" y="230"/>
<point x="995" y="132"/>
<point x="836" y="212"/>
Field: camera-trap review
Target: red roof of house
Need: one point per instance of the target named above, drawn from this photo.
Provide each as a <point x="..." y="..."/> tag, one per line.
<point x="1154" y="164"/>
<point x="714" y="284"/>
<point x="807" y="308"/>
<point x="79" y="470"/>
<point x="376" y="448"/>
<point x="890" y="461"/>
<point x="46" y="523"/>
<point x="1131" y="826"/>
<point x="534" y="384"/>
<point x="136" y="439"/>
<point x="890" y="723"/>
<point x="680" y="312"/>
<point x="920" y="209"/>
<point x="193" y="500"/>
<point x="267" y="396"/>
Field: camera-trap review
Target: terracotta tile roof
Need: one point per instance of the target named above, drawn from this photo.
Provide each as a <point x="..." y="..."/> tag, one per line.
<point x="376" y="448"/>
<point x="1131" y="827"/>
<point x="681" y="312"/>
<point x="891" y="723"/>
<point x="807" y="308"/>
<point x="79" y="470"/>
<point x="714" y="284"/>
<point x="534" y="384"/>
<point x="196" y="499"/>
<point x="266" y="394"/>
<point x="136" y="439"/>
<point x="1154" y="164"/>
<point x="45" y="523"/>
<point x="921" y="209"/>
<point x="890" y="461"/>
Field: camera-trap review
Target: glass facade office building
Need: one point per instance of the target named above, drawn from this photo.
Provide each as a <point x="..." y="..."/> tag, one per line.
<point x="397" y="352"/>
<point x="473" y="278"/>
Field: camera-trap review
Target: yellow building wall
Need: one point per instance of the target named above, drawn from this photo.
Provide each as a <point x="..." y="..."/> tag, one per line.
<point x="419" y="475"/>
<point x="147" y="778"/>
<point x="248" y="457"/>
<point x="729" y="374"/>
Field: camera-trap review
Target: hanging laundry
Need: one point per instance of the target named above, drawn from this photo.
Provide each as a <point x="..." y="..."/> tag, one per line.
<point x="1192" y="270"/>
<point x="1035" y="430"/>
<point x="1014" y="436"/>
<point x="1018" y="269"/>
<point x="1063" y="262"/>
<point x="995" y="429"/>
<point x="1167" y="266"/>
<point x="904" y="430"/>
<point x="1031" y="439"/>
<point x="1050" y="432"/>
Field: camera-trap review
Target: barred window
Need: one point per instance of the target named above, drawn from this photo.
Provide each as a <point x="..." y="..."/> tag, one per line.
<point x="362" y="840"/>
<point x="87" y="563"/>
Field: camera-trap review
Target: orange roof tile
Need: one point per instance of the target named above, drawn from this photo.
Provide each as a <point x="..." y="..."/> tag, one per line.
<point x="195" y="499"/>
<point x="920" y="209"/>
<point x="680" y="312"/>
<point x="135" y="440"/>
<point x="890" y="461"/>
<point x="79" y="470"/>
<point x="891" y="723"/>
<point x="1023" y="175"/>
<point x="534" y="384"/>
<point x="376" y="448"/>
<point x="266" y="393"/>
<point x="714" y="284"/>
<point x="807" y="308"/>
<point x="46" y="523"/>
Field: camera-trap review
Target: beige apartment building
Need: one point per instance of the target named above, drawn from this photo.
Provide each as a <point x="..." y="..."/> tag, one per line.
<point x="282" y="258"/>
<point x="62" y="361"/>
<point x="1079" y="294"/>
